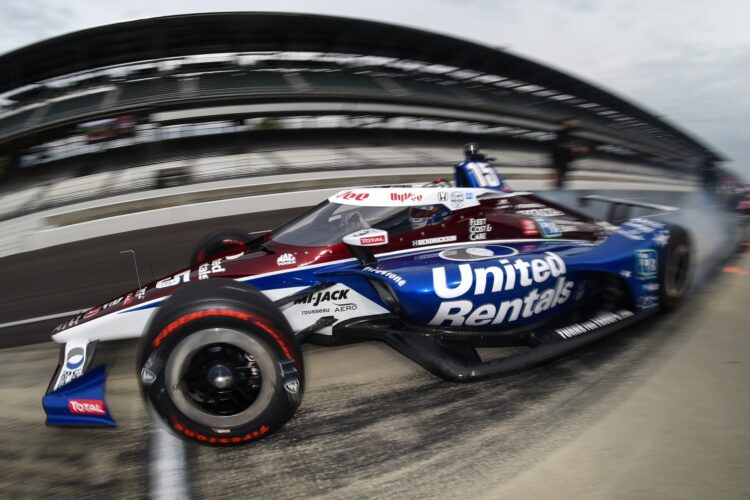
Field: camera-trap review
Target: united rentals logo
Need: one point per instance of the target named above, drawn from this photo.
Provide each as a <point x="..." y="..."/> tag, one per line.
<point x="506" y="277"/>
<point x="402" y="197"/>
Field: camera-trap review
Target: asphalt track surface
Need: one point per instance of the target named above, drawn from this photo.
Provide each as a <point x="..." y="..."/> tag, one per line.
<point x="658" y="411"/>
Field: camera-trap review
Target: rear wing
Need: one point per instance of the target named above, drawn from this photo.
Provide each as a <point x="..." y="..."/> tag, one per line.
<point x="619" y="209"/>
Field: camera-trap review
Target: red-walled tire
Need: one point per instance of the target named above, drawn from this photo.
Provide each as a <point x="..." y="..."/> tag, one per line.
<point x="219" y="364"/>
<point x="675" y="269"/>
<point x="219" y="243"/>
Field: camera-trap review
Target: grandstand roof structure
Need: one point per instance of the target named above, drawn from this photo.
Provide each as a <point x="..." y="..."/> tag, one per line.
<point x="465" y="62"/>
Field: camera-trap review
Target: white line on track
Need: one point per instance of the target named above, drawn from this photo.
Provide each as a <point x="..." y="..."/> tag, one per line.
<point x="40" y="318"/>
<point x="167" y="468"/>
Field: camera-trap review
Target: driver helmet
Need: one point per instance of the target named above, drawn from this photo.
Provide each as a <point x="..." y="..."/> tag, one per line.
<point x="429" y="214"/>
<point x="471" y="152"/>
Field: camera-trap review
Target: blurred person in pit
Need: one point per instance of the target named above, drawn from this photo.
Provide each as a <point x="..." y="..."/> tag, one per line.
<point x="565" y="149"/>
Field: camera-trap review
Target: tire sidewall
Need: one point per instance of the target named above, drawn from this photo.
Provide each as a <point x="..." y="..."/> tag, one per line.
<point x="227" y="312"/>
<point x="679" y="242"/>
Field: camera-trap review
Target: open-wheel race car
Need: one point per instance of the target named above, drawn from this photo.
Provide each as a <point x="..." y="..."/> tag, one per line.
<point x="433" y="270"/>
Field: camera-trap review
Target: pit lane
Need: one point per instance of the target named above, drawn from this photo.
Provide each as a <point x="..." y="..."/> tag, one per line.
<point x="659" y="410"/>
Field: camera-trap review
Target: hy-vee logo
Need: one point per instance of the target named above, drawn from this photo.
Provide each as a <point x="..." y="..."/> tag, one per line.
<point x="478" y="281"/>
<point x="402" y="197"/>
<point x="316" y="298"/>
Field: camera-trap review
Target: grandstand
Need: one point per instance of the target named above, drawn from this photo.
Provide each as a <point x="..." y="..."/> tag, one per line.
<point x="186" y="87"/>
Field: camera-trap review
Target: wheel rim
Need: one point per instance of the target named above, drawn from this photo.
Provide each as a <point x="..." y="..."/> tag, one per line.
<point x="678" y="264"/>
<point x="220" y="377"/>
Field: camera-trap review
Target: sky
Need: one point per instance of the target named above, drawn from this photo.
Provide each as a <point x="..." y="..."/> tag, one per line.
<point x="687" y="61"/>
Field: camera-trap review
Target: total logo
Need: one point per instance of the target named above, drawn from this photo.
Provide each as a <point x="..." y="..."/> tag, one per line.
<point x="479" y="281"/>
<point x="402" y="197"/>
<point x="286" y="259"/>
<point x="373" y="240"/>
<point x="86" y="407"/>
<point x="352" y="195"/>
<point x="367" y="238"/>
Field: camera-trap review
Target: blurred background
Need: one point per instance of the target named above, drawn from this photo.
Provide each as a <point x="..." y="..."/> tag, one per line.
<point x="144" y="129"/>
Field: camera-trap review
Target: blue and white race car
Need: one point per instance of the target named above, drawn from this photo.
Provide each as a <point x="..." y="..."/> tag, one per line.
<point x="433" y="270"/>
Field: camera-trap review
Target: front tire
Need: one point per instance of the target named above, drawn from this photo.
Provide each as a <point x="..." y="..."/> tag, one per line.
<point x="219" y="364"/>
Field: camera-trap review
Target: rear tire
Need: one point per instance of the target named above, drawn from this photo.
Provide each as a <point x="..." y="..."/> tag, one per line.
<point x="220" y="365"/>
<point x="674" y="268"/>
<point x="217" y="244"/>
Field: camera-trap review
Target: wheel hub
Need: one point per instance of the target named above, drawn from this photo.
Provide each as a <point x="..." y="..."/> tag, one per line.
<point x="220" y="377"/>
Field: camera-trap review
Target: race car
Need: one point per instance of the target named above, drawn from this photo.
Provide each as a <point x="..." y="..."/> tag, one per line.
<point x="434" y="270"/>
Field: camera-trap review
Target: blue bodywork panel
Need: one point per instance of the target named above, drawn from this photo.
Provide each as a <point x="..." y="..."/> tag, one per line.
<point x="79" y="402"/>
<point x="512" y="284"/>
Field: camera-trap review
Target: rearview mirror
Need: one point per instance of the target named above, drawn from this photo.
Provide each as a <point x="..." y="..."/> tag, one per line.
<point x="360" y="242"/>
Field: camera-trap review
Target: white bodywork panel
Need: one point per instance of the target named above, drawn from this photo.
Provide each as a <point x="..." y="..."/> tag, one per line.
<point x="453" y="198"/>
<point x="338" y="301"/>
